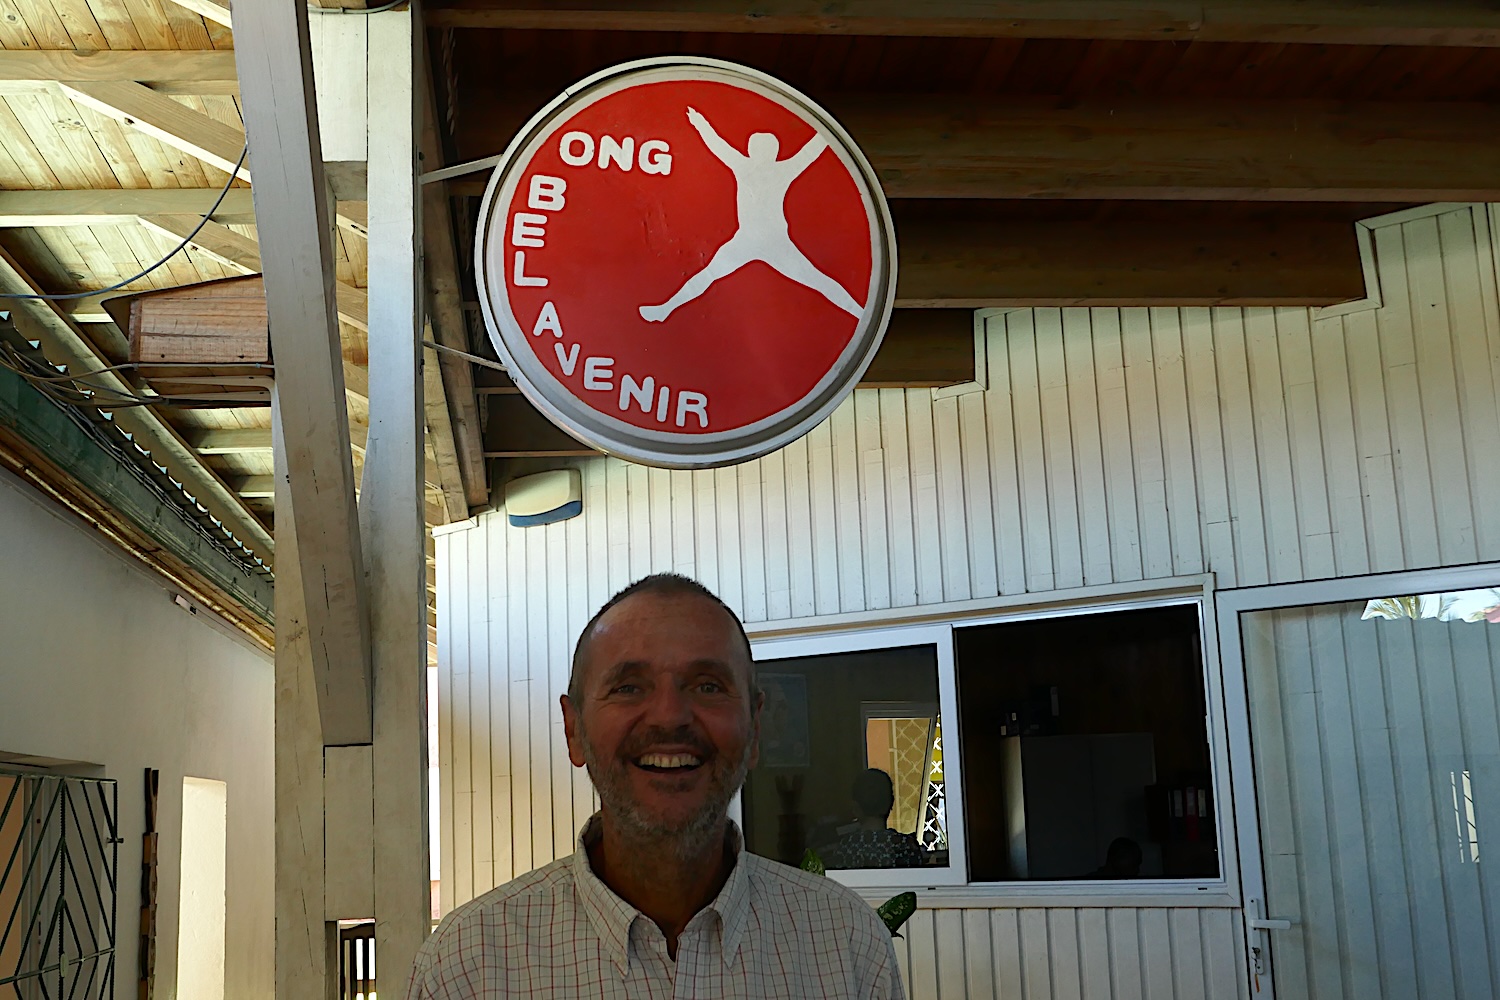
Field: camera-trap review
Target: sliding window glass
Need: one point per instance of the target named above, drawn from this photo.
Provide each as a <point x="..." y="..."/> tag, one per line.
<point x="851" y="761"/>
<point x="1086" y="744"/>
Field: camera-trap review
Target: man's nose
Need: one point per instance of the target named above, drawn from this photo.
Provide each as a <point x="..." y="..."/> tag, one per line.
<point x="669" y="706"/>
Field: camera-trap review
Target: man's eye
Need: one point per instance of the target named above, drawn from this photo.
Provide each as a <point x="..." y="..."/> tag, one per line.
<point x="711" y="687"/>
<point x="624" y="689"/>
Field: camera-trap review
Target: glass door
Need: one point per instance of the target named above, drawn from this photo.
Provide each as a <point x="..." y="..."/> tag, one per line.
<point x="1374" y="734"/>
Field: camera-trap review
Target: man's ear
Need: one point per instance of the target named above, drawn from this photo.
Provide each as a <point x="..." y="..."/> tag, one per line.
<point x="573" y="730"/>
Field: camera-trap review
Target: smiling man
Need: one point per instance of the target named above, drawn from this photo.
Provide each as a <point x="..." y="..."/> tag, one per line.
<point x="660" y="900"/>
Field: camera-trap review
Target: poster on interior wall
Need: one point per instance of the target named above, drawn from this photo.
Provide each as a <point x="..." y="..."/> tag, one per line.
<point x="784" y="738"/>
<point x="684" y="262"/>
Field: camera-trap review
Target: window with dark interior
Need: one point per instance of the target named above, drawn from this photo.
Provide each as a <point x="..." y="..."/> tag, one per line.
<point x="851" y="761"/>
<point x="1085" y="747"/>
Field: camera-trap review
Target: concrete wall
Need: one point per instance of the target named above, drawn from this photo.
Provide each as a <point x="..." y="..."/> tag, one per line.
<point x="97" y="664"/>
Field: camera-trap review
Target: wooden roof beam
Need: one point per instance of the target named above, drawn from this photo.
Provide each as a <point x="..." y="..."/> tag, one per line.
<point x="192" y="72"/>
<point x="231" y="441"/>
<point x="93" y="207"/>
<point x="1185" y="257"/>
<point x="444" y="299"/>
<point x="164" y="119"/>
<point x="935" y="146"/>
<point x="1326" y="22"/>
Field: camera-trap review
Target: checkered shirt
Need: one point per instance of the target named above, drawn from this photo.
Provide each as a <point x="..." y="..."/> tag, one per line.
<point x="772" y="932"/>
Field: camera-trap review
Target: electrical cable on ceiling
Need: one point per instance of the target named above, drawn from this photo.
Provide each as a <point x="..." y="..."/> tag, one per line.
<point x="207" y="216"/>
<point x="80" y="390"/>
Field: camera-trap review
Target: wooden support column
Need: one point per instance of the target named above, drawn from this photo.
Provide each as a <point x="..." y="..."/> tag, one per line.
<point x="305" y="944"/>
<point x="391" y="506"/>
<point x="293" y="221"/>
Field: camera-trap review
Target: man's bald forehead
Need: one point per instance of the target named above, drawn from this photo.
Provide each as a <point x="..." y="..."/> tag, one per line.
<point x="661" y="585"/>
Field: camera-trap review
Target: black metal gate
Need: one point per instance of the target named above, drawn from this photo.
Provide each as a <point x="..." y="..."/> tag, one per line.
<point x="59" y="859"/>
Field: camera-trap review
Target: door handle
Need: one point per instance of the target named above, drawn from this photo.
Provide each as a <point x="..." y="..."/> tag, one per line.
<point x="1269" y="924"/>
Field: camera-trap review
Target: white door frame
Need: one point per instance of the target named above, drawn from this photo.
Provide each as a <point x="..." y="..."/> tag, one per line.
<point x="1230" y="604"/>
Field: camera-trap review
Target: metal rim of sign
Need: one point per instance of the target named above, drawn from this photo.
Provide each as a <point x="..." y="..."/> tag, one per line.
<point x="665" y="449"/>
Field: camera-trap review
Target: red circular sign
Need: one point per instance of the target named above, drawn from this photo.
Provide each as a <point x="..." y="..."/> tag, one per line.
<point x="685" y="263"/>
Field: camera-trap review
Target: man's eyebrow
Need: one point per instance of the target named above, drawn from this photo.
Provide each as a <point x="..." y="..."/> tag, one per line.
<point x="625" y="668"/>
<point x="621" y="669"/>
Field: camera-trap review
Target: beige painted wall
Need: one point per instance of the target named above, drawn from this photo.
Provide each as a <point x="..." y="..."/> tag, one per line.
<point x="98" y="664"/>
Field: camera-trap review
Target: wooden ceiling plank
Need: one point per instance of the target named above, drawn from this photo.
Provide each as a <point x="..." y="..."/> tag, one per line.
<point x="122" y="259"/>
<point x="220" y="242"/>
<point x="82" y="27"/>
<point x="70" y="127"/>
<point x="181" y="70"/>
<point x="353" y="306"/>
<point x="276" y="81"/>
<point x="115" y="21"/>
<point x="66" y="344"/>
<point x="188" y="27"/>
<point x="114" y="145"/>
<point x="39" y="123"/>
<point x="1335" y="22"/>
<point x="186" y="268"/>
<point x="84" y="207"/>
<point x="11" y="174"/>
<point x="39" y="174"/>
<point x="150" y="23"/>
<point x="46" y="27"/>
<point x="163" y="119"/>
<point x="14" y="33"/>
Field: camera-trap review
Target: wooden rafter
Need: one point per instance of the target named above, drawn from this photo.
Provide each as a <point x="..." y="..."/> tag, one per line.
<point x="931" y="146"/>
<point x="1157" y="255"/>
<point x="1327" y="22"/>
<point x="444" y="297"/>
<point x="119" y="207"/>
<point x="212" y="10"/>
<point x="180" y="72"/>
<point x="163" y="119"/>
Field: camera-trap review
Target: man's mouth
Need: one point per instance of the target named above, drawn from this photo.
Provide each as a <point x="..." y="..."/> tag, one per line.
<point x="668" y="763"/>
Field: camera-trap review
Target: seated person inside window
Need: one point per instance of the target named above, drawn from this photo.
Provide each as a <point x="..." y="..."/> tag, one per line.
<point x="872" y="844"/>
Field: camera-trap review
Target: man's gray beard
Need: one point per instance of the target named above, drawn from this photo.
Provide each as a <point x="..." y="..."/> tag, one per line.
<point x="693" y="839"/>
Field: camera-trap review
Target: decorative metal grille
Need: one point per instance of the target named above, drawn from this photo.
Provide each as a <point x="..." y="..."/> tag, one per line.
<point x="59" y="861"/>
<point x="934" y="832"/>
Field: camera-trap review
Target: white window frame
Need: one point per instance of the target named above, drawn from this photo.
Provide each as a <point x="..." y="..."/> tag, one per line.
<point x="880" y="630"/>
<point x="940" y="637"/>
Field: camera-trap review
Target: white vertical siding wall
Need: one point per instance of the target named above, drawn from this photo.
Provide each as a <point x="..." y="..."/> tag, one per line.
<point x="1263" y="445"/>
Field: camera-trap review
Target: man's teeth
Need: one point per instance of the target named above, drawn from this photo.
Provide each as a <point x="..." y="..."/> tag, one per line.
<point x="668" y="760"/>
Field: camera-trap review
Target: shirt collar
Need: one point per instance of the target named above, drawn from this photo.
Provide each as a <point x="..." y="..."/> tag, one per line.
<point x="612" y="917"/>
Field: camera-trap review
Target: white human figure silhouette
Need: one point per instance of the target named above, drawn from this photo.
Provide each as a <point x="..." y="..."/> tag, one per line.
<point x="761" y="183"/>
